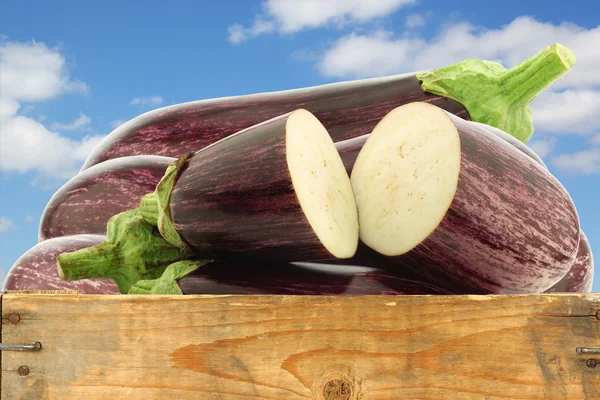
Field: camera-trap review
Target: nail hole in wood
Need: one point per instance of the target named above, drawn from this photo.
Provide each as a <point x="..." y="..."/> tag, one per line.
<point x="14" y="318"/>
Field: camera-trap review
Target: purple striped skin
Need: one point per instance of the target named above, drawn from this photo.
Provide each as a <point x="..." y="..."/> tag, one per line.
<point x="349" y="149"/>
<point x="580" y="277"/>
<point x="236" y="199"/>
<point x="290" y="279"/>
<point x="36" y="269"/>
<point x="86" y="202"/>
<point x="346" y="109"/>
<point x="512" y="228"/>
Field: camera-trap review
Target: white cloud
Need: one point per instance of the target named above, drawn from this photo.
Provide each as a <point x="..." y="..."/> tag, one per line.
<point x="117" y="122"/>
<point x="542" y="147"/>
<point x="34" y="72"/>
<point x="595" y="139"/>
<point x="585" y="162"/>
<point x="414" y="21"/>
<point x="29" y="218"/>
<point x="239" y="34"/>
<point x="375" y="54"/>
<point x="569" y="111"/>
<point x="290" y="16"/>
<point x="510" y="45"/>
<point x="6" y="224"/>
<point x="570" y="106"/>
<point x="82" y="121"/>
<point x="28" y="146"/>
<point x="151" y="101"/>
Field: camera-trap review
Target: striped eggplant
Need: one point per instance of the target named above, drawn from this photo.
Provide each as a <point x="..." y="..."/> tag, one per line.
<point x="245" y="277"/>
<point x="275" y="191"/>
<point x="580" y="277"/>
<point x="473" y="89"/>
<point x="36" y="269"/>
<point x="88" y="200"/>
<point x="461" y="207"/>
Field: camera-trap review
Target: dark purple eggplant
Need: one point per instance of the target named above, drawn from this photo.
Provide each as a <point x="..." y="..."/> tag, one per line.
<point x="580" y="277"/>
<point x="466" y="210"/>
<point x="483" y="91"/>
<point x="245" y="277"/>
<point x="36" y="269"/>
<point x="86" y="202"/>
<point x="275" y="191"/>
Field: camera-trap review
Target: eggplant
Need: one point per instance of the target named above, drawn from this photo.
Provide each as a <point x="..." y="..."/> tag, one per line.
<point x="483" y="91"/>
<point x="275" y="191"/>
<point x="466" y="210"/>
<point x="36" y="268"/>
<point x="219" y="277"/>
<point x="87" y="201"/>
<point x="580" y="277"/>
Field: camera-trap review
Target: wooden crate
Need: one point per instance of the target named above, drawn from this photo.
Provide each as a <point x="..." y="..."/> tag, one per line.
<point x="300" y="347"/>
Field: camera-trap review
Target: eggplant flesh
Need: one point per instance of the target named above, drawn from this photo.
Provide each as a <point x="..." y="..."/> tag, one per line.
<point x="277" y="190"/>
<point x="461" y="207"/>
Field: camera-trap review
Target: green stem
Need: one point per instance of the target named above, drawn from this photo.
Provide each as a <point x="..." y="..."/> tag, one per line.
<point x="167" y="282"/>
<point x="98" y="262"/>
<point x="149" y="208"/>
<point x="522" y="83"/>
<point x="155" y="207"/>
<point x="498" y="97"/>
<point x="131" y="252"/>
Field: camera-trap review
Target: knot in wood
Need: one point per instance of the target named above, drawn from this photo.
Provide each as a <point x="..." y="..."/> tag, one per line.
<point x="591" y="363"/>
<point x="337" y="389"/>
<point x="338" y="382"/>
<point x="23" y="370"/>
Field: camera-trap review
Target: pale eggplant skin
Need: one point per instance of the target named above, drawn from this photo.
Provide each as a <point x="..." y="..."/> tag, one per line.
<point x="36" y="268"/>
<point x="235" y="199"/>
<point x="346" y="109"/>
<point x="301" y="279"/>
<point x="87" y="201"/>
<point x="512" y="228"/>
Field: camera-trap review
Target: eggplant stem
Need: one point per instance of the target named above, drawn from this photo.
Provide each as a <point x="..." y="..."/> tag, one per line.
<point x="498" y="97"/>
<point x="155" y="209"/>
<point x="167" y="282"/>
<point x="131" y="253"/>
<point x="522" y="83"/>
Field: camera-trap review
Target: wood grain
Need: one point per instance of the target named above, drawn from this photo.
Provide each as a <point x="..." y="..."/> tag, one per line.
<point x="302" y="347"/>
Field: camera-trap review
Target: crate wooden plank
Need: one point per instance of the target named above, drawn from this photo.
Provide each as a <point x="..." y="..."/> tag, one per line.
<point x="301" y="347"/>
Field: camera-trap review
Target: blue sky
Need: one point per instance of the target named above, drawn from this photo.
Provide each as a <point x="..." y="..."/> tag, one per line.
<point x="72" y="71"/>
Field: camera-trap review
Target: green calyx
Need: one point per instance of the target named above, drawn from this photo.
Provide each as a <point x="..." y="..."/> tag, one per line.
<point x="167" y="282"/>
<point x="133" y="251"/>
<point x="155" y="209"/>
<point x="496" y="96"/>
